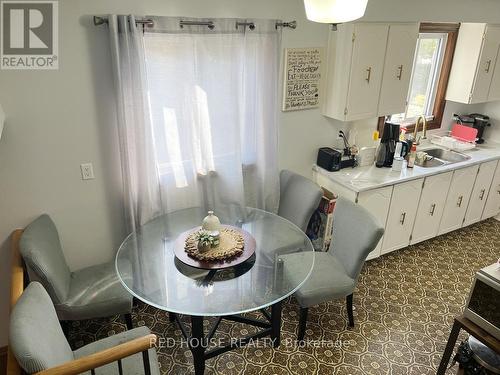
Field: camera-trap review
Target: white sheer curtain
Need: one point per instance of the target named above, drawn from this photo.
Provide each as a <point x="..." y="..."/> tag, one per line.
<point x="209" y="98"/>
<point x="141" y="183"/>
<point x="213" y="95"/>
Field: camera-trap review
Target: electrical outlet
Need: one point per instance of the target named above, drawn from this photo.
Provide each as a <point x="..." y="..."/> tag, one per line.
<point x="87" y="171"/>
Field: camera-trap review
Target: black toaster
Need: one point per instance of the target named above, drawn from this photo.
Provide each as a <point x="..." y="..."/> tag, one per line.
<point x="329" y="159"/>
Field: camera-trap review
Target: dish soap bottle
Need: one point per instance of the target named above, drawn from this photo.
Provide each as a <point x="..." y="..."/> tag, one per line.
<point x="412" y="156"/>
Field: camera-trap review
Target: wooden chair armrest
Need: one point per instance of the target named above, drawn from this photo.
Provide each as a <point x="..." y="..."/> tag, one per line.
<point x="103" y="357"/>
<point x="16" y="289"/>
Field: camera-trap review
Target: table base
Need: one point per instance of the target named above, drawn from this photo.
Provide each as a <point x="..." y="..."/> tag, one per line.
<point x="198" y="341"/>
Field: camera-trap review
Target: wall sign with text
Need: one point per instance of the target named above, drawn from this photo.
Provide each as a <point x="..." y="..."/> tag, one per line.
<point x="302" y="78"/>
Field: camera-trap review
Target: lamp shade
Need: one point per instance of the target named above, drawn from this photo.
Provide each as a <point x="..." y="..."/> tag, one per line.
<point x="334" y="11"/>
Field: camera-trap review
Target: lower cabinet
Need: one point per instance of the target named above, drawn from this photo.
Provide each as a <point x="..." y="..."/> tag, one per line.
<point x="417" y="210"/>
<point x="402" y="212"/>
<point x="492" y="206"/>
<point x="458" y="199"/>
<point x="431" y="207"/>
<point x="376" y="202"/>
<point x="480" y="192"/>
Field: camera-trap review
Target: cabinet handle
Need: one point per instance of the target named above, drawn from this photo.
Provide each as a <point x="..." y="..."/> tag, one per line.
<point x="488" y="64"/>
<point x="403" y="217"/>
<point x="481" y="195"/>
<point x="459" y="202"/>
<point x="400" y="72"/>
<point x="369" y="71"/>
<point x="433" y="207"/>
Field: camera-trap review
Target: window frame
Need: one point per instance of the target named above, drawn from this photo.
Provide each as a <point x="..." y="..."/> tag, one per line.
<point x="451" y="29"/>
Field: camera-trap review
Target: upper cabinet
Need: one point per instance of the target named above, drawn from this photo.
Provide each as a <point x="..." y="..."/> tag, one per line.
<point x="398" y="66"/>
<point x="475" y="74"/>
<point x="369" y="68"/>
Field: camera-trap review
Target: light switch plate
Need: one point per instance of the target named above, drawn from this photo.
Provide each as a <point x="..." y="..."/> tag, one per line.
<point x="87" y="171"/>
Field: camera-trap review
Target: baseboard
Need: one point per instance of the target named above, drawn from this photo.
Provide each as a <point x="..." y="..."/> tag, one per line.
<point x="3" y="360"/>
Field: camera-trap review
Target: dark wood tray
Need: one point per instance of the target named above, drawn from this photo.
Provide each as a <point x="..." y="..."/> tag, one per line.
<point x="181" y="254"/>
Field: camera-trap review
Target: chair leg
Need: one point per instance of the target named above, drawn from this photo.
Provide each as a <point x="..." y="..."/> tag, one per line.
<point x="65" y="325"/>
<point x="302" y="324"/>
<point x="350" y="314"/>
<point x="171" y="317"/>
<point x="128" y="320"/>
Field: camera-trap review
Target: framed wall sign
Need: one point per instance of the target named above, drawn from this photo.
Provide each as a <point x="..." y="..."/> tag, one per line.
<point x="302" y="78"/>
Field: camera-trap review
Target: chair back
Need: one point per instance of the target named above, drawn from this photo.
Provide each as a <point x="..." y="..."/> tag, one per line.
<point x="35" y="336"/>
<point x="299" y="197"/>
<point x="355" y="234"/>
<point x="42" y="252"/>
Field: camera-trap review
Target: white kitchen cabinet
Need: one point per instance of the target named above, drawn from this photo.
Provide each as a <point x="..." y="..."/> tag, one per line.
<point x="458" y="199"/>
<point x="492" y="206"/>
<point x="402" y="212"/>
<point x="494" y="93"/>
<point x="480" y="192"/>
<point x="474" y="64"/>
<point x="431" y="207"/>
<point x="377" y="202"/>
<point x="401" y="44"/>
<point x="354" y="70"/>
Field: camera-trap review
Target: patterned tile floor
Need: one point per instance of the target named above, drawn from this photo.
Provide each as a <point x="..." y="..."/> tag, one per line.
<point x="405" y="303"/>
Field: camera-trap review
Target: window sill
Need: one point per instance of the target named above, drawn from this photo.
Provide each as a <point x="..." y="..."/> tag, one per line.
<point x="410" y="127"/>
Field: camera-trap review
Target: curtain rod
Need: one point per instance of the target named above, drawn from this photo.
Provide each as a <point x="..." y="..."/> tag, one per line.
<point x="101" y="20"/>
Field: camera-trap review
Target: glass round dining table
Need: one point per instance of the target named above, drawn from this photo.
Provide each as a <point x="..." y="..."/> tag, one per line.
<point x="283" y="260"/>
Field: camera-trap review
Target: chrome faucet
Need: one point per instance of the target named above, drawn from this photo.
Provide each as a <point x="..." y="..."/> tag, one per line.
<point x="424" y="129"/>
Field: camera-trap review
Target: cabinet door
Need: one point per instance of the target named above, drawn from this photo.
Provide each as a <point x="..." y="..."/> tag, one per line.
<point x="401" y="216"/>
<point x="398" y="65"/>
<point x="367" y="63"/>
<point x="480" y="192"/>
<point x="495" y="80"/>
<point x="458" y="199"/>
<point x="377" y="202"/>
<point x="492" y="206"/>
<point x="431" y="207"/>
<point x="486" y="65"/>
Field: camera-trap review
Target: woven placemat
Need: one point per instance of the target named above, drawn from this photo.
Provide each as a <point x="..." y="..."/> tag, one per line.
<point x="231" y="244"/>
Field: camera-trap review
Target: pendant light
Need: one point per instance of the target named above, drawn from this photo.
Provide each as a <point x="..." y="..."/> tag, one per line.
<point x="334" y="11"/>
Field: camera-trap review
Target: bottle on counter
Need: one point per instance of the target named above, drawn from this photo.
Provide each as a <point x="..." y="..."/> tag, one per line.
<point x="412" y="156"/>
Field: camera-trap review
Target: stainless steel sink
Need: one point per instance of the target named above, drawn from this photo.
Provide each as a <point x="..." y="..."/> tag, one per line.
<point x="439" y="157"/>
<point x="447" y="155"/>
<point x="432" y="163"/>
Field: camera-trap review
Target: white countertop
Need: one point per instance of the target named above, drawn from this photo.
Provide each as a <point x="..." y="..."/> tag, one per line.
<point x="370" y="177"/>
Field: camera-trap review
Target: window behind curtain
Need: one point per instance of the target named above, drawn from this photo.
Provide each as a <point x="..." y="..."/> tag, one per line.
<point x="213" y="106"/>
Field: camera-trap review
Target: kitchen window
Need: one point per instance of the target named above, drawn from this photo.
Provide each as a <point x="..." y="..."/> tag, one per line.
<point x="430" y="73"/>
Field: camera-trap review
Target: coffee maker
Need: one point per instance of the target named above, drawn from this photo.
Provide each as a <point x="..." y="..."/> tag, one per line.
<point x="480" y="122"/>
<point x="385" y="152"/>
<point x="476" y="121"/>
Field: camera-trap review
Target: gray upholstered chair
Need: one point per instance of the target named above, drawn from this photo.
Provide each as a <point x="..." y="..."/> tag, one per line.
<point x="38" y="343"/>
<point x="92" y="292"/>
<point x="355" y="234"/>
<point x="299" y="197"/>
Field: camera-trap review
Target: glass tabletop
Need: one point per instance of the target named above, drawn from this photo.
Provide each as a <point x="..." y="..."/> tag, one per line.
<point x="148" y="268"/>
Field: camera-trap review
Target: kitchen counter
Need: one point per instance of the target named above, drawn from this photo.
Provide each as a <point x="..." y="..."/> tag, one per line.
<point x="360" y="179"/>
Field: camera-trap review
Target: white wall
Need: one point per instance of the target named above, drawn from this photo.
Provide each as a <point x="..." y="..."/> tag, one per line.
<point x="493" y="110"/>
<point x="59" y="119"/>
